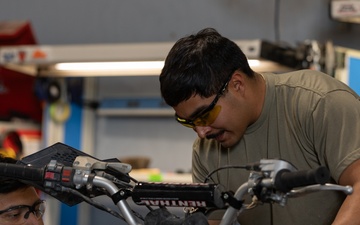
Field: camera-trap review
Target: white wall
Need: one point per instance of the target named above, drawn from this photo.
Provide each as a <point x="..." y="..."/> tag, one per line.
<point x="94" y="21"/>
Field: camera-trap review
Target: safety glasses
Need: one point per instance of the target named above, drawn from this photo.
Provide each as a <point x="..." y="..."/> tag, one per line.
<point x="207" y="116"/>
<point x="17" y="215"/>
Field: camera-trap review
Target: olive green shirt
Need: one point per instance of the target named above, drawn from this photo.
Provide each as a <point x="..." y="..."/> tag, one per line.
<point x="309" y="119"/>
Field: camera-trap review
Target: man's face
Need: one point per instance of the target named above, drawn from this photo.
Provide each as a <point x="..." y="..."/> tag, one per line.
<point x="229" y="113"/>
<point x="26" y="196"/>
<point x="229" y="125"/>
<point x="225" y="116"/>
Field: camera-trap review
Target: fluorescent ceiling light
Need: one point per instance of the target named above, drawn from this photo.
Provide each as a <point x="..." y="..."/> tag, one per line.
<point x="121" y="66"/>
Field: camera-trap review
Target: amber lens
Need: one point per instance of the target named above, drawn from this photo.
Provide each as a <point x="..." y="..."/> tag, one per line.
<point x="205" y="119"/>
<point x="208" y="118"/>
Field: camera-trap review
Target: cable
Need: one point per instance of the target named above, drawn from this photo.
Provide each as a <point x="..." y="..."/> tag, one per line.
<point x="222" y="168"/>
<point x="98" y="205"/>
<point x="92" y="202"/>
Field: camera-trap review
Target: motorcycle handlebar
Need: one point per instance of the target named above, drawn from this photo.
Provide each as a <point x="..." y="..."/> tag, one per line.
<point x="26" y="173"/>
<point x="286" y="180"/>
<point x="54" y="175"/>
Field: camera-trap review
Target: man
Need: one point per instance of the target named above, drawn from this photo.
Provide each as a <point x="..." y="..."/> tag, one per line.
<point x="305" y="117"/>
<point x="19" y="202"/>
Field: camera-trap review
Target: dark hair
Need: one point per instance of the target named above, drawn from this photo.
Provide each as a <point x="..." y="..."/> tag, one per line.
<point x="199" y="65"/>
<point x="8" y="185"/>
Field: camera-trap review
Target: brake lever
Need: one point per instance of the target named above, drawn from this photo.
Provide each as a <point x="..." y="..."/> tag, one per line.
<point x="318" y="187"/>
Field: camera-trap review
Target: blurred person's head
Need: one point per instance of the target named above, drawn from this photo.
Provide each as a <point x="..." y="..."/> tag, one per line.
<point x="19" y="202"/>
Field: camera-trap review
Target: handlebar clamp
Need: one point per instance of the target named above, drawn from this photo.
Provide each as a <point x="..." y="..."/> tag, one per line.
<point x="120" y="195"/>
<point x="229" y="198"/>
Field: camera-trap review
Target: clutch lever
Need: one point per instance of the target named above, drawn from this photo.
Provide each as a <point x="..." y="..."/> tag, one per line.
<point x="318" y="187"/>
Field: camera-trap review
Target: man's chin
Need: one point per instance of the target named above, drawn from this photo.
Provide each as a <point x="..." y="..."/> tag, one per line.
<point x="225" y="144"/>
<point x="228" y="142"/>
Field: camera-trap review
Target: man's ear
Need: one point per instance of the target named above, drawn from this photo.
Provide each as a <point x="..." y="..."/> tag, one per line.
<point x="237" y="81"/>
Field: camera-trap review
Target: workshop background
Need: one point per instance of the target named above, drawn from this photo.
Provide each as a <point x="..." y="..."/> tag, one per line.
<point x="159" y="138"/>
<point x="91" y="22"/>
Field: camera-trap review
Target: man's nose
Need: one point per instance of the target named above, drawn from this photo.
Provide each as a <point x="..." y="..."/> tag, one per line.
<point x="202" y="131"/>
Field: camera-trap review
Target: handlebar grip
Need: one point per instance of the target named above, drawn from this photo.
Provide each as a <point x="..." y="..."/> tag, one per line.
<point x="21" y="172"/>
<point x="286" y="180"/>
